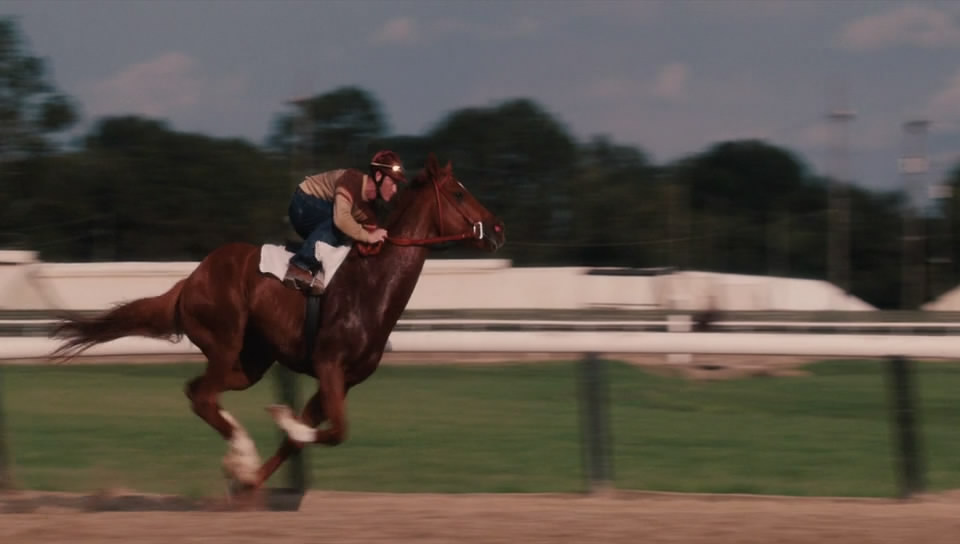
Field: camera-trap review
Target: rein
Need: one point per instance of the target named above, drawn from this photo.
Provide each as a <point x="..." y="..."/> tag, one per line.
<point x="476" y="231"/>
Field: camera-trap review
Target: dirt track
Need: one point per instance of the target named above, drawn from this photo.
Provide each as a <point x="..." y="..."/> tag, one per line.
<point x="347" y="518"/>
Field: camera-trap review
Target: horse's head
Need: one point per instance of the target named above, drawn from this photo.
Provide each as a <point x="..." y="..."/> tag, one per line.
<point x="457" y="213"/>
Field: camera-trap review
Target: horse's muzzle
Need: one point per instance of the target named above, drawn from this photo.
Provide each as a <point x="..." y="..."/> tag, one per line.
<point x="495" y="235"/>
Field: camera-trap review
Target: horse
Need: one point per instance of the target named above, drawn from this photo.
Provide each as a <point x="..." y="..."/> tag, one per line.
<point x="243" y="321"/>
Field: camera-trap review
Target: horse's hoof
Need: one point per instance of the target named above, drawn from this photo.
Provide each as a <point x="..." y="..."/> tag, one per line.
<point x="244" y="496"/>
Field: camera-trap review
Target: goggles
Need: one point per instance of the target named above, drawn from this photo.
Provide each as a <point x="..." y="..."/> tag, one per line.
<point x="395" y="168"/>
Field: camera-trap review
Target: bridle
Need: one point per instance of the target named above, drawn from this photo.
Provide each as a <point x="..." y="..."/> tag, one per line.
<point x="476" y="231"/>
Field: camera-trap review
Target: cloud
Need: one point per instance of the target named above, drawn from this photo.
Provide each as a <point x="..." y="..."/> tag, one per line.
<point x="164" y="86"/>
<point x="516" y="27"/>
<point x="407" y="31"/>
<point x="911" y="25"/>
<point x="624" y="12"/>
<point x="671" y="82"/>
<point x="398" y="31"/>
<point x="751" y="10"/>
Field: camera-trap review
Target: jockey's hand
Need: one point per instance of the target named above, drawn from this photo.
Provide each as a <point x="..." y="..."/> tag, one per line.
<point x="378" y="236"/>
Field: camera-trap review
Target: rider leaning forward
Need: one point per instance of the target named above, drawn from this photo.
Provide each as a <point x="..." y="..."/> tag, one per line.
<point x="331" y="207"/>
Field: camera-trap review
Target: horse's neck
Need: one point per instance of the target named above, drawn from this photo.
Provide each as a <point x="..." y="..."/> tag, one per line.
<point x="398" y="267"/>
<point x="413" y="218"/>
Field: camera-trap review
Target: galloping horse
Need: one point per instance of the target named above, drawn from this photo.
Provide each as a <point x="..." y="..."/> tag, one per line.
<point x="243" y="320"/>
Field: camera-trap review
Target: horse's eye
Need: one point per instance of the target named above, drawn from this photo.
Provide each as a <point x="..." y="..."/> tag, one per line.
<point x="458" y="195"/>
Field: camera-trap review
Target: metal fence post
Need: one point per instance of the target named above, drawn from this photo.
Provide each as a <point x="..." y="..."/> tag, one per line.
<point x="907" y="444"/>
<point x="6" y="475"/>
<point x="597" y="450"/>
<point x="289" y="393"/>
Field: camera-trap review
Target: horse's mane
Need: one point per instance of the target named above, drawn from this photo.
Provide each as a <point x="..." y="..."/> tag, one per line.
<point x="405" y="198"/>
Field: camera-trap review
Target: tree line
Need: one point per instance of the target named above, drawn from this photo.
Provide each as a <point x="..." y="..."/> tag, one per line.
<point x="133" y="188"/>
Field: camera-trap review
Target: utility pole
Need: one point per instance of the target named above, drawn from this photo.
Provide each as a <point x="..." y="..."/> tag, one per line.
<point x="941" y="252"/>
<point x="678" y="221"/>
<point x="838" y="233"/>
<point x="914" y="165"/>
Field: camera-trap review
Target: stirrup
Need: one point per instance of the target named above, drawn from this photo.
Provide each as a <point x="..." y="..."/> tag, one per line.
<point x="312" y="287"/>
<point x="294" y="281"/>
<point x="307" y="288"/>
<point x="316" y="285"/>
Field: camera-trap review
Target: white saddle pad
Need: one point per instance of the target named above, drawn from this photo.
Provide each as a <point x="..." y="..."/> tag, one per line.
<point x="274" y="259"/>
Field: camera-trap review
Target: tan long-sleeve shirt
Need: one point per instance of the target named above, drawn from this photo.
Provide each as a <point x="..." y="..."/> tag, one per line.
<point x="345" y="187"/>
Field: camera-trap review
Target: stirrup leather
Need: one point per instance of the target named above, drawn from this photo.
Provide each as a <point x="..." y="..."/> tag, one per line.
<point x="314" y="285"/>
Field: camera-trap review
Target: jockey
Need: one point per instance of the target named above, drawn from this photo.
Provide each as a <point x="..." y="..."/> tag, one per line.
<point x="330" y="207"/>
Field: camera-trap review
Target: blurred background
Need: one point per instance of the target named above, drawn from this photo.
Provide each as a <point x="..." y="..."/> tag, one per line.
<point x="767" y="138"/>
<point x="781" y="159"/>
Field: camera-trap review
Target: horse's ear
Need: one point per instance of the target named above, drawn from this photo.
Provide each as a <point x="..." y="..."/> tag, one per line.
<point x="432" y="165"/>
<point x="449" y="167"/>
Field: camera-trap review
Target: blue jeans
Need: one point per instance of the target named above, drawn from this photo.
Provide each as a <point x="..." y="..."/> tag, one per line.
<point x="312" y="218"/>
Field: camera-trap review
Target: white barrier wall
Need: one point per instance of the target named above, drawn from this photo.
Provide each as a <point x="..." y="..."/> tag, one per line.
<point x="467" y="285"/>
<point x="90" y="286"/>
<point x="445" y="284"/>
<point x="664" y="343"/>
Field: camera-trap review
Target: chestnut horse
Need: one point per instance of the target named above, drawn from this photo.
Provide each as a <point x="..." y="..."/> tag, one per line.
<point x="243" y="320"/>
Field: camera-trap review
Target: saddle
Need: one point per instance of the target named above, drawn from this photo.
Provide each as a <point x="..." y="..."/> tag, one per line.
<point x="275" y="261"/>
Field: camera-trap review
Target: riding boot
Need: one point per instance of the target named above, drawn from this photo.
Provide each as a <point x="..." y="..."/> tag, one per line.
<point x="302" y="280"/>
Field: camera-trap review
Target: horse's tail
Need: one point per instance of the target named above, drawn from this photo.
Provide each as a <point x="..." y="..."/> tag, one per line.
<point x="153" y="317"/>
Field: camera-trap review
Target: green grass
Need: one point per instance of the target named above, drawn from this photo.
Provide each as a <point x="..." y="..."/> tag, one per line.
<point x="490" y="429"/>
<point x="828" y="433"/>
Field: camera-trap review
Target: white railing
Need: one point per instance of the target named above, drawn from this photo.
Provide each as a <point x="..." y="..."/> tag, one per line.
<point x="814" y="345"/>
<point x="39" y="348"/>
<point x="676" y="324"/>
<point x="468" y="341"/>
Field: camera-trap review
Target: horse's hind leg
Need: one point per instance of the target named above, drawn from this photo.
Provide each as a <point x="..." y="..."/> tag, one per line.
<point x="226" y="372"/>
<point x="204" y="393"/>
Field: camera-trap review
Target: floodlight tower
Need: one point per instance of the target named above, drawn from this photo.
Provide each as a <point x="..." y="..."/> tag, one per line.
<point x="838" y="256"/>
<point x="913" y="166"/>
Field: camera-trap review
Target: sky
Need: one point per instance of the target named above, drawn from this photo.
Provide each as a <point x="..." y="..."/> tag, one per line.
<point x="670" y="77"/>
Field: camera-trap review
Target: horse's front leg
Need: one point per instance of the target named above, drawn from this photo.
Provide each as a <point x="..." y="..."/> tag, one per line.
<point x="332" y="402"/>
<point x="312" y="415"/>
<point x="327" y="404"/>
